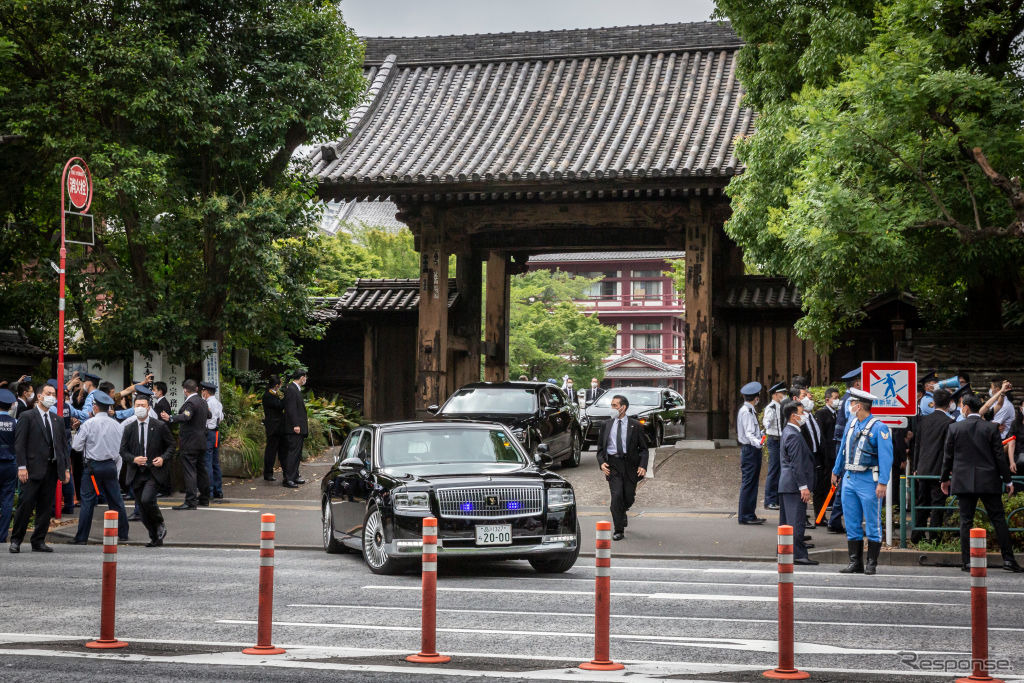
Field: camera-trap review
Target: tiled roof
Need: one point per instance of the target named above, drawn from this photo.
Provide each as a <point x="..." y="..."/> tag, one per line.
<point x="654" y="365"/>
<point x="758" y="292"/>
<point x="324" y="308"/>
<point x="14" y="341"/>
<point x="638" y="373"/>
<point x="608" y="256"/>
<point x="978" y="352"/>
<point x="374" y="214"/>
<point x="659" y="103"/>
<point x="385" y="296"/>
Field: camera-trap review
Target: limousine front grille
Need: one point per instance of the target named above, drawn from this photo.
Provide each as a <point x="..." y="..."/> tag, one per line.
<point x="474" y="502"/>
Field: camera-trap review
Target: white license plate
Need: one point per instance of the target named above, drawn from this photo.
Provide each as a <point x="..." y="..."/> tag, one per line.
<point x="494" y="534"/>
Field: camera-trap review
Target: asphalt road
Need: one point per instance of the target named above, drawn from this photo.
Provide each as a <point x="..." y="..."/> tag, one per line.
<point x="187" y="612"/>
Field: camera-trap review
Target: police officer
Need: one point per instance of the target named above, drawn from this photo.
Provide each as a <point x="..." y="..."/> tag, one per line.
<point x="926" y="406"/>
<point x="773" y="422"/>
<point x="749" y="435"/>
<point x="864" y="463"/>
<point x="99" y="439"/>
<point x="852" y="379"/>
<point x="8" y="462"/>
<point x="212" y="456"/>
<point x="192" y="417"/>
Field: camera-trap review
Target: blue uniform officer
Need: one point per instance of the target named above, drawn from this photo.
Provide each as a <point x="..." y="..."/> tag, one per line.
<point x="864" y="463"/>
<point x="8" y="464"/>
<point x="926" y="406"/>
<point x="852" y="379"/>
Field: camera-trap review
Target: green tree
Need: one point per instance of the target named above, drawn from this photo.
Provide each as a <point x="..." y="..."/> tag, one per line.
<point x="189" y="116"/>
<point x="677" y="270"/>
<point x="395" y="249"/>
<point x="341" y="261"/>
<point x="887" y="155"/>
<point x="549" y="334"/>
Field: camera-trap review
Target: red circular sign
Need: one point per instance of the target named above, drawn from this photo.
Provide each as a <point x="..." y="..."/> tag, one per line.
<point x="79" y="188"/>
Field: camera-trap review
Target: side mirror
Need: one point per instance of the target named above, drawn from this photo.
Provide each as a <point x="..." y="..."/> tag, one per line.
<point x="432" y="409"/>
<point x="541" y="457"/>
<point x="352" y="463"/>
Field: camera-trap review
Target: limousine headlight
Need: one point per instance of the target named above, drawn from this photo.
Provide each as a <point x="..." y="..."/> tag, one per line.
<point x="412" y="501"/>
<point x="561" y="497"/>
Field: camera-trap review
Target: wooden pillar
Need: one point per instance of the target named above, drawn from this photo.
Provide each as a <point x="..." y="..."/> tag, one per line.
<point x="496" y="336"/>
<point x="699" y="394"/>
<point x="369" y="373"/>
<point x="465" y="332"/>
<point x="432" y="350"/>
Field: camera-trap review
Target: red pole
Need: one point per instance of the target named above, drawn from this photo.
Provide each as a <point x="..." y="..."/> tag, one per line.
<point x="265" y="618"/>
<point x="602" y="602"/>
<point x="979" y="609"/>
<point x="108" y="603"/>
<point x="428" y="620"/>
<point x="786" y="668"/>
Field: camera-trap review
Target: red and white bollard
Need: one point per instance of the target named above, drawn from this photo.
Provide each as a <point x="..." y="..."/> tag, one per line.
<point x="979" y="609"/>
<point x="108" y="603"/>
<point x="428" y="620"/>
<point x="602" y="602"/>
<point x="265" y="618"/>
<point x="786" y="668"/>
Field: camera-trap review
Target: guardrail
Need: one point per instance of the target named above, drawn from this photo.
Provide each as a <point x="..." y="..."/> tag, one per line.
<point x="909" y="507"/>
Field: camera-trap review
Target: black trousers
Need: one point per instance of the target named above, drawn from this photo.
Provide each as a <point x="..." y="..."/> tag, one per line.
<point x="277" y="449"/>
<point x="993" y="503"/>
<point x="622" y="481"/>
<point x="145" y="489"/>
<point x="290" y="466"/>
<point x="822" y="484"/>
<point x="77" y="466"/>
<point x="36" y="495"/>
<point x="793" y="511"/>
<point x="928" y="492"/>
<point x="197" y="477"/>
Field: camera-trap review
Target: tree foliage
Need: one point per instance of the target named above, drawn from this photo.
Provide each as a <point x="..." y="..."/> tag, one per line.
<point x="395" y="249"/>
<point x="888" y="154"/>
<point x="549" y="334"/>
<point x="189" y="116"/>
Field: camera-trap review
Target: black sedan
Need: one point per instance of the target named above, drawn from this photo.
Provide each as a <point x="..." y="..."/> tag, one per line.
<point x="661" y="411"/>
<point x="536" y="412"/>
<point x="491" y="500"/>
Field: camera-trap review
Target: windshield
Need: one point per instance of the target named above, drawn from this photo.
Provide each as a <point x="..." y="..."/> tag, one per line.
<point x="449" y="445"/>
<point x="635" y="398"/>
<point x="491" y="401"/>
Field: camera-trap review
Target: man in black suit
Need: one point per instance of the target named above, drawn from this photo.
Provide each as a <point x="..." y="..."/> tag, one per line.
<point x="192" y="417"/>
<point x="160" y="402"/>
<point x="826" y="419"/>
<point x="622" y="455"/>
<point x="296" y="428"/>
<point x="796" y="477"/>
<point x="979" y="470"/>
<point x="926" y="458"/>
<point x="273" y="424"/>
<point x="146" y="449"/>
<point x="593" y="393"/>
<point x="42" y="454"/>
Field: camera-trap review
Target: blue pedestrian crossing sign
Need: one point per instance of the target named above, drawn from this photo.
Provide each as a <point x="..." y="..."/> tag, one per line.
<point x="895" y="385"/>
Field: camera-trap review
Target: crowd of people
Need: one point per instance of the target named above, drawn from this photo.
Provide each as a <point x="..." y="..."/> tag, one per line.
<point x="965" y="443"/>
<point x="109" y="445"/>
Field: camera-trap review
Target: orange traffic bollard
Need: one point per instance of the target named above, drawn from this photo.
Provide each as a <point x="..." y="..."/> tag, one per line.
<point x="108" y="604"/>
<point x="428" y="620"/>
<point x="265" y="619"/>
<point x="602" y="602"/>
<point x="786" y="669"/>
<point x="979" y="609"/>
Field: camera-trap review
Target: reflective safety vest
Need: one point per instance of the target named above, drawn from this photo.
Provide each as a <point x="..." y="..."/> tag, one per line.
<point x="865" y="456"/>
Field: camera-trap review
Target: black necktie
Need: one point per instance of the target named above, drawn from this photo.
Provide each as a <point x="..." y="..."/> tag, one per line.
<point x="618" y="440"/>
<point x="142" y="439"/>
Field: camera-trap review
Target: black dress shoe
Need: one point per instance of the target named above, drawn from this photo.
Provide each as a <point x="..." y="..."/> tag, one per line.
<point x="833" y="530"/>
<point x="184" y="506"/>
<point x="756" y="520"/>
<point x="771" y="506"/>
<point x="135" y="518"/>
<point x="807" y="537"/>
<point x="270" y="478"/>
<point x="290" y="485"/>
<point x="300" y="480"/>
<point x="161" y="532"/>
<point x="1012" y="566"/>
<point x="965" y="568"/>
<point x="618" y="536"/>
<point x="204" y="503"/>
<point x="805" y="561"/>
<point x="15" y="547"/>
<point x="42" y="548"/>
<point x="808" y="545"/>
<point x="155" y="544"/>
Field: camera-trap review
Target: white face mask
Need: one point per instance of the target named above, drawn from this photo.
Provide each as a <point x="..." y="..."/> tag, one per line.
<point x="613" y="413"/>
<point x="836" y="402"/>
<point x="593" y="385"/>
<point x="141" y="412"/>
<point x="808" y="403"/>
<point x="49" y="401"/>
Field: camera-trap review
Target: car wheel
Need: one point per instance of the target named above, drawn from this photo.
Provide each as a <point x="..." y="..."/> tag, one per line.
<point x="575" y="452"/>
<point x="557" y="564"/>
<point x="375" y="553"/>
<point x="659" y="437"/>
<point x="331" y="544"/>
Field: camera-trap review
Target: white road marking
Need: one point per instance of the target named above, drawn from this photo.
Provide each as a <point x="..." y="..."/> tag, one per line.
<point x="590" y="615"/>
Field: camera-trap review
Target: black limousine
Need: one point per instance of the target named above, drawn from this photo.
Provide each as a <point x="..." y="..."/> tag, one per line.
<point x="490" y="498"/>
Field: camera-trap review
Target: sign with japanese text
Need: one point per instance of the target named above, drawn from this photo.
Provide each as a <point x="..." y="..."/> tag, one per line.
<point x="895" y="385"/>
<point x="211" y="361"/>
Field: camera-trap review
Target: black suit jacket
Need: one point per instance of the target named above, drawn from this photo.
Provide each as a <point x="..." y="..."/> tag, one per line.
<point x="592" y="395"/>
<point x="192" y="417"/>
<point x="826" y="418"/>
<point x="636" y="444"/>
<point x="930" y="442"/>
<point x="162" y="406"/>
<point x="974" y="458"/>
<point x="815" y="444"/>
<point x="273" y="413"/>
<point x="295" y="410"/>
<point x="796" y="460"/>
<point x="31" y="447"/>
<point x="159" y="444"/>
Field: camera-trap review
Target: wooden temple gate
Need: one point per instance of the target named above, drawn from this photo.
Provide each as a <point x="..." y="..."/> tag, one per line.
<point x="500" y="146"/>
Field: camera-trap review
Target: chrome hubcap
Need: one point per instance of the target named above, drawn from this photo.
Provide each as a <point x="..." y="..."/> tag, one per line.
<point x="327" y="523"/>
<point x="373" y="541"/>
<point x="576" y="448"/>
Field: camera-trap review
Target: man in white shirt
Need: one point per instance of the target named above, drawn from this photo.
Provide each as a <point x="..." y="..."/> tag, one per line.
<point x="749" y="436"/>
<point x="772" y="421"/>
<point x="99" y="439"/>
<point x="209" y="392"/>
<point x="1000" y="402"/>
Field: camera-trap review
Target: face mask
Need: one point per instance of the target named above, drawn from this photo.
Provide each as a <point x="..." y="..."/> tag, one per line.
<point x="836" y="402"/>
<point x="613" y="413"/>
<point x="30" y="397"/>
<point x="593" y="385"/>
<point x="141" y="412"/>
<point x="808" y="403"/>
<point x="49" y="401"/>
